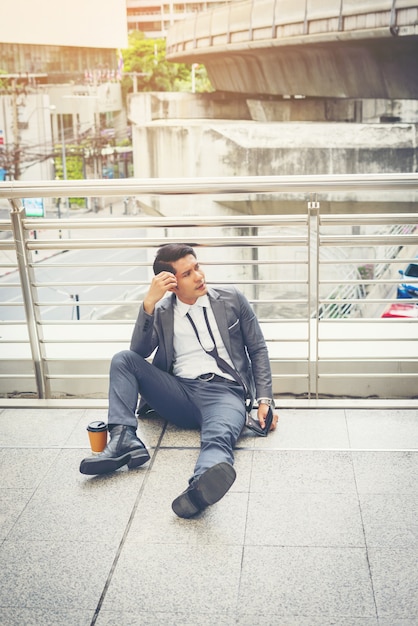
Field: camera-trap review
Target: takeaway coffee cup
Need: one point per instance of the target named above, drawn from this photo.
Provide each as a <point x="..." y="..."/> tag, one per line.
<point x="98" y="436"/>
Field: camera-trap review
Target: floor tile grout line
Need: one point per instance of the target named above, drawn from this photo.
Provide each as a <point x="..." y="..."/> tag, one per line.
<point x="366" y="548"/>
<point x="127" y="528"/>
<point x="245" y="535"/>
<point x="347" y="429"/>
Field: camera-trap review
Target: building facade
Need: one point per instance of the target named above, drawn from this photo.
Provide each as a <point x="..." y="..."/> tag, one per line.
<point x="155" y="18"/>
<point x="59" y="82"/>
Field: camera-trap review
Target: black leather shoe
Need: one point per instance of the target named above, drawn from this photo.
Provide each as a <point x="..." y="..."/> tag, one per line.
<point x="204" y="490"/>
<point x="124" y="448"/>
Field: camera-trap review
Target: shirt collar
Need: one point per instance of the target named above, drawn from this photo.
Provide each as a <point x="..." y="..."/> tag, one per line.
<point x="183" y="308"/>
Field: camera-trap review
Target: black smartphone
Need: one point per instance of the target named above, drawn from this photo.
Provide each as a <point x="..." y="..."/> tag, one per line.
<point x="253" y="424"/>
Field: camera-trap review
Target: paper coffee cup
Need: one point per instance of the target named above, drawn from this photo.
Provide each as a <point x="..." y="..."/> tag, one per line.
<point x="98" y="436"/>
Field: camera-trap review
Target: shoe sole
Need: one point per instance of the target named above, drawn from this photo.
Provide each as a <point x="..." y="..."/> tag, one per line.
<point x="139" y="458"/>
<point x="211" y="486"/>
<point x="94" y="466"/>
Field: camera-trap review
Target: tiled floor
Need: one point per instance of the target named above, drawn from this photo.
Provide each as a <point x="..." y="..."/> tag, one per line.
<point x="319" y="529"/>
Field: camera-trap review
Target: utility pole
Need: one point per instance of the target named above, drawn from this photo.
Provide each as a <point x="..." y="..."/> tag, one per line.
<point x="16" y="137"/>
<point x="64" y="161"/>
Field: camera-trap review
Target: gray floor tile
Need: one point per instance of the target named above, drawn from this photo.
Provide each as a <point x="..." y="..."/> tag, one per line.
<point x="304" y="520"/>
<point x="310" y="428"/>
<point x="140" y="618"/>
<point x="303" y="472"/>
<point x="386" y="472"/>
<point x="149" y="430"/>
<point x="243" y="465"/>
<point x="284" y="547"/>
<point x="306" y="581"/>
<point x="45" y="575"/>
<point x="68" y="506"/>
<point x="394" y="621"/>
<point x="36" y="428"/>
<point x="44" y="617"/>
<point x="221" y="524"/>
<point x="248" y="439"/>
<point x="183" y="438"/>
<point x="381" y="429"/>
<point x="12" y="503"/>
<point x="65" y="474"/>
<point x="92" y="508"/>
<point x="305" y="620"/>
<point x="390" y="520"/>
<point x="175" y="437"/>
<point x="174" y="467"/>
<point x="78" y="437"/>
<point x="394" y="574"/>
<point x="176" y="579"/>
<point x="24" y="468"/>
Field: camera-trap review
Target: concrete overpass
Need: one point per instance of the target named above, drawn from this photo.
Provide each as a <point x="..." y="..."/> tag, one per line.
<point x="327" y="49"/>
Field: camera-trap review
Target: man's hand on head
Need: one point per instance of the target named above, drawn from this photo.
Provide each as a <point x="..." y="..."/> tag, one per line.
<point x="160" y="285"/>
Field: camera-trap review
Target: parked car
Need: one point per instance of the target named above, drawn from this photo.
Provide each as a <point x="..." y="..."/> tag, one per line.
<point x="406" y="290"/>
<point x="402" y="310"/>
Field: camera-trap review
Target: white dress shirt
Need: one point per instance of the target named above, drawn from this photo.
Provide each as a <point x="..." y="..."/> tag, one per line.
<point x="190" y="359"/>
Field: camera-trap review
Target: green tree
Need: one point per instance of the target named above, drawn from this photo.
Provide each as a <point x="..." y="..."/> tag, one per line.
<point x="73" y="165"/>
<point x="147" y="57"/>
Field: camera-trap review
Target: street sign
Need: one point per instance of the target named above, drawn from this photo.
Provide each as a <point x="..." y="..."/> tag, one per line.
<point x="34" y="207"/>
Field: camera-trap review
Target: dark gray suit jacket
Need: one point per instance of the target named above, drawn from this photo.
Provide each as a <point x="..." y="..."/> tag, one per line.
<point x="239" y="329"/>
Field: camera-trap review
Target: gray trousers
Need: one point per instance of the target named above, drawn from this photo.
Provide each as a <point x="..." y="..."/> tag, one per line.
<point x="216" y="408"/>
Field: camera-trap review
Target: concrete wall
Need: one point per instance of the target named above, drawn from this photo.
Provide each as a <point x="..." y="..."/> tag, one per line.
<point x="366" y="111"/>
<point x="173" y="138"/>
<point x="176" y="135"/>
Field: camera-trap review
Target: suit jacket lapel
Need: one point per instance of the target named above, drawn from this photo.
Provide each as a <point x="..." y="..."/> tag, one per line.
<point x="167" y="323"/>
<point x="219" y="311"/>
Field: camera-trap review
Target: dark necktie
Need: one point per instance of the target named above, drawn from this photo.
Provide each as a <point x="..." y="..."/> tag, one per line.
<point x="222" y="364"/>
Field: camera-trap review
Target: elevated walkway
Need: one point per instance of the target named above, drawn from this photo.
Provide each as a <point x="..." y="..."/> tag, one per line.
<point x="338" y="49"/>
<point x="319" y="529"/>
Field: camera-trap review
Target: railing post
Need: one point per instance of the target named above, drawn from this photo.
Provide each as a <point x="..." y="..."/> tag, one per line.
<point x="305" y="19"/>
<point x="313" y="296"/>
<point x="17" y="214"/>
<point x="340" y="16"/>
<point x="392" y="26"/>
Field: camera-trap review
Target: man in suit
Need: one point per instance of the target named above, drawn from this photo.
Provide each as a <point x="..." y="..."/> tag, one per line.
<point x="210" y="359"/>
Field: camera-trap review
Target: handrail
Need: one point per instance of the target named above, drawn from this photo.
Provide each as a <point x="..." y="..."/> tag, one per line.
<point x="302" y="274"/>
<point x="272" y="18"/>
<point x="229" y="185"/>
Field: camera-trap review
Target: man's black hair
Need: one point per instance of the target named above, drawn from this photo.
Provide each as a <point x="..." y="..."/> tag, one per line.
<point x="170" y="253"/>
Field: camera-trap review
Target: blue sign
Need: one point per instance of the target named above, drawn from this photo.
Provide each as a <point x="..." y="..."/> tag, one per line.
<point x="34" y="207"/>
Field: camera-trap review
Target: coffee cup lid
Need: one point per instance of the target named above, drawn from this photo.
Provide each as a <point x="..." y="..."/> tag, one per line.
<point x="97" y="426"/>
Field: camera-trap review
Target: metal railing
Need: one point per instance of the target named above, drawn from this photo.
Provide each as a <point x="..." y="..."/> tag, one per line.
<point x="250" y="22"/>
<point x="318" y="281"/>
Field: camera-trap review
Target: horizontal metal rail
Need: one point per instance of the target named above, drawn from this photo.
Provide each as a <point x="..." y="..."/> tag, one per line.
<point x="17" y="189"/>
<point x="302" y="276"/>
<point x="88" y="244"/>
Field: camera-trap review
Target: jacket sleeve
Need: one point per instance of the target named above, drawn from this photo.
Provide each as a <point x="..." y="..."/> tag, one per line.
<point x="256" y="348"/>
<point x="144" y="337"/>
